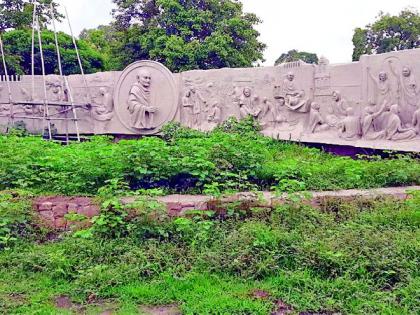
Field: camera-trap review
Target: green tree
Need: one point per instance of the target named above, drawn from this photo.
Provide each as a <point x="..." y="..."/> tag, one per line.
<point x="17" y="14"/>
<point x="187" y="34"/>
<point x="17" y="46"/>
<point x="295" y="55"/>
<point x="105" y="40"/>
<point x="388" y="33"/>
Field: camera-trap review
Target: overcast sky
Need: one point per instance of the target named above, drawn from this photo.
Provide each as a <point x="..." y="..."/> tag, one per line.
<point x="324" y="27"/>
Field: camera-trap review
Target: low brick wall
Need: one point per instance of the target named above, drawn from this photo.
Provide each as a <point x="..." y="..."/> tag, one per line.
<point x="52" y="210"/>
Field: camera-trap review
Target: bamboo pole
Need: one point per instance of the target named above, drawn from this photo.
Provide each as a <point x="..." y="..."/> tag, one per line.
<point x="46" y="111"/>
<point x="9" y="90"/>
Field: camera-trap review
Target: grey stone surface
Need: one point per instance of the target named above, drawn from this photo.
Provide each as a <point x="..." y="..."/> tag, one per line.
<point x="373" y="103"/>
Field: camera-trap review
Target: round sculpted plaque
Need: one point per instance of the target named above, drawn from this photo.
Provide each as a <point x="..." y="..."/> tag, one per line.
<point x="146" y="97"/>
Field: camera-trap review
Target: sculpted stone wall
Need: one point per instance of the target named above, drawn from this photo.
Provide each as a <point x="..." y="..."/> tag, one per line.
<point x="373" y="103"/>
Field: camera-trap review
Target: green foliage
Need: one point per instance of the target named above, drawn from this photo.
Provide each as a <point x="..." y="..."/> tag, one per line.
<point x="105" y="39"/>
<point x="15" y="218"/>
<point x="17" y="45"/>
<point x="234" y="157"/>
<point x="388" y="33"/>
<point x="185" y="35"/>
<point x="17" y="14"/>
<point x="358" y="257"/>
<point x="294" y="55"/>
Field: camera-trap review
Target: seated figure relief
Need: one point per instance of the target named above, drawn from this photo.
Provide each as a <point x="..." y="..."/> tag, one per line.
<point x="316" y="122"/>
<point x="104" y="105"/>
<point x="416" y="120"/>
<point x="295" y="98"/>
<point x="272" y="113"/>
<point x="394" y="129"/>
<point x="368" y="130"/>
<point x="350" y="128"/>
<point x="248" y="104"/>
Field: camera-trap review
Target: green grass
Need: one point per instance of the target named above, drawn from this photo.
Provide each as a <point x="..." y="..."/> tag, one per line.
<point x="358" y="257"/>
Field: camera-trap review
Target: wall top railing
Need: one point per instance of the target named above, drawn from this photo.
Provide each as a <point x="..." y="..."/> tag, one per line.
<point x="12" y="78"/>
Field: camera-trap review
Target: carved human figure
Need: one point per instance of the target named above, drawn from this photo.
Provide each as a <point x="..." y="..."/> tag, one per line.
<point x="191" y="102"/>
<point x="394" y="129"/>
<point x="247" y="102"/>
<point x="339" y="104"/>
<point x="408" y="91"/>
<point x="274" y="114"/>
<point x="331" y="119"/>
<point x="215" y="113"/>
<point x="368" y="130"/>
<point x="316" y="122"/>
<point x="56" y="89"/>
<point x="383" y="89"/>
<point x="104" y="106"/>
<point x="139" y="102"/>
<point x="416" y="121"/>
<point x="350" y="125"/>
<point x="294" y="97"/>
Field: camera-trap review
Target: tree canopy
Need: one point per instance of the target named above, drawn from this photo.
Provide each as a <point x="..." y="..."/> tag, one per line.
<point x="17" y="14"/>
<point x="295" y="55"/>
<point x="388" y="33"/>
<point x="17" y="46"/>
<point x="186" y="34"/>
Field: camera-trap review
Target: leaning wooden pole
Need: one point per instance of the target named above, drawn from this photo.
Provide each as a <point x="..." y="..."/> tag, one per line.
<point x="78" y="58"/>
<point x="44" y="80"/>
<point x="9" y="89"/>
<point x="60" y="68"/>
<point x="33" y="53"/>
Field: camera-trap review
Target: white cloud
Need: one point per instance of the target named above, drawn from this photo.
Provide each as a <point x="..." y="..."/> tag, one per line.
<point x="324" y="26"/>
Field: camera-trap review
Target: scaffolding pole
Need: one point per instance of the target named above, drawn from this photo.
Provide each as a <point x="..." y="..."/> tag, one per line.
<point x="46" y="110"/>
<point x="33" y="52"/>
<point x="78" y="58"/>
<point x="9" y="90"/>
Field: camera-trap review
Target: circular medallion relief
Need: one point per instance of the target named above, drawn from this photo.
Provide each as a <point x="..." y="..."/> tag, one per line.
<point x="146" y="97"/>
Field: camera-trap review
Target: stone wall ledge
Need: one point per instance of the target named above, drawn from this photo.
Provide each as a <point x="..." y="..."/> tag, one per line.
<point x="53" y="210"/>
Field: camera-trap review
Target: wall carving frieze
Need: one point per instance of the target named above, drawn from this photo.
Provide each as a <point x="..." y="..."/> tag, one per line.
<point x="373" y="103"/>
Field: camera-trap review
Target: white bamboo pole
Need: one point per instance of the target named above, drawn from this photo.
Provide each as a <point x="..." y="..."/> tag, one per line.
<point x="9" y="90"/>
<point x="46" y="111"/>
<point x="60" y="68"/>
<point x="78" y="58"/>
<point x="6" y="73"/>
<point x="33" y="53"/>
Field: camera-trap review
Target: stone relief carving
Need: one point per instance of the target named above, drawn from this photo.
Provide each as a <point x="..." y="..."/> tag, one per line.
<point x="140" y="104"/>
<point x="316" y="122"/>
<point x="249" y="104"/>
<point x="416" y="120"/>
<point x="371" y="103"/>
<point x="295" y="98"/>
<point x="103" y="109"/>
<point x="350" y="125"/>
<point x="193" y="105"/>
<point x="145" y="97"/>
<point x="56" y="91"/>
<point x="394" y="129"/>
<point x="383" y="93"/>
